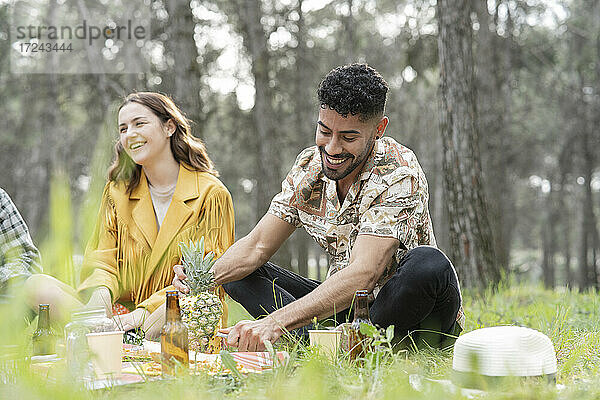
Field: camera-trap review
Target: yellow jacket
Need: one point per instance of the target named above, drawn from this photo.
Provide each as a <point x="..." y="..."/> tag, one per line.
<point x="134" y="261"/>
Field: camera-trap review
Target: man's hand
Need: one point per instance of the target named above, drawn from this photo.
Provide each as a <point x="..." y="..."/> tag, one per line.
<point x="180" y="276"/>
<point x="101" y="298"/>
<point x="251" y="335"/>
<point x="132" y="320"/>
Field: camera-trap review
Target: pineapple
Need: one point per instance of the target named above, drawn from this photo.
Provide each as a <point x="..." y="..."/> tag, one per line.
<point x="201" y="309"/>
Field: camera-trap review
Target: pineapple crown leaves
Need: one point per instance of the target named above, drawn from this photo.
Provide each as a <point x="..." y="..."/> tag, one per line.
<point x="198" y="266"/>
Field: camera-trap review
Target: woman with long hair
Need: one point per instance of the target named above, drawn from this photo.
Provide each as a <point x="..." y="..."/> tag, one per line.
<point x="162" y="190"/>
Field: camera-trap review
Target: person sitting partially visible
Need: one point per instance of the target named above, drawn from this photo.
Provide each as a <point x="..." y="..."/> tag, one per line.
<point x="19" y="258"/>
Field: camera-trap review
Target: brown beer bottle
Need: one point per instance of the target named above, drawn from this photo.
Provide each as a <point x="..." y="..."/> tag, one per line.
<point x="356" y="340"/>
<point x="173" y="337"/>
<point x="43" y="337"/>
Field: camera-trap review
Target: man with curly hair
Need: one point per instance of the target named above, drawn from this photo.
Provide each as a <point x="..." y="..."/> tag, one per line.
<point x="362" y="197"/>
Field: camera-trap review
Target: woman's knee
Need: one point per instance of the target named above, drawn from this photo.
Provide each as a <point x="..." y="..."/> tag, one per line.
<point x="45" y="289"/>
<point x="153" y="324"/>
<point x="37" y="288"/>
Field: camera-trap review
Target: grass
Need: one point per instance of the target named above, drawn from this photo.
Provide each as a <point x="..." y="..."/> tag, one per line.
<point x="570" y="319"/>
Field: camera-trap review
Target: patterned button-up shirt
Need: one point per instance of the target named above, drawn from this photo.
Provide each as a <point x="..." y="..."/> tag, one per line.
<point x="19" y="258"/>
<point x="389" y="199"/>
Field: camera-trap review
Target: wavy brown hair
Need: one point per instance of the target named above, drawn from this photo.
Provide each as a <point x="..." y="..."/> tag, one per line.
<point x="186" y="148"/>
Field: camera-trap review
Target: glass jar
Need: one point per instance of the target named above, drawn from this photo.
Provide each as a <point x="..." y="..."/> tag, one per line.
<point x="89" y="320"/>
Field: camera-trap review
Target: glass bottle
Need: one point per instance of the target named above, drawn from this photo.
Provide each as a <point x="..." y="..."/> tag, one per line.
<point x="356" y="340"/>
<point x="43" y="337"/>
<point x="173" y="337"/>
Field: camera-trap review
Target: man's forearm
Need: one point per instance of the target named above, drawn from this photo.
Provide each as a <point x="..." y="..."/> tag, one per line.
<point x="253" y="250"/>
<point x="240" y="260"/>
<point x="333" y="295"/>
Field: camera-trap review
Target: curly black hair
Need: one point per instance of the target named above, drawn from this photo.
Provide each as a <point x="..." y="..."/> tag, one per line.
<point x="355" y="89"/>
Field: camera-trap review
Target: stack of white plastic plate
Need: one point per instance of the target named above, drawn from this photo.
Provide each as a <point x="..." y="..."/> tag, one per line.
<point x="505" y="351"/>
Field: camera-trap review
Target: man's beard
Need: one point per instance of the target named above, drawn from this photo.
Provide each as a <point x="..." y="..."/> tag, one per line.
<point x="336" y="175"/>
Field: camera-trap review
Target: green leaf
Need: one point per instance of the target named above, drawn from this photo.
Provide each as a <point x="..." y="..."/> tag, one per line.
<point x="271" y="350"/>
<point x="230" y="364"/>
<point x="368" y="330"/>
<point x="268" y="346"/>
<point x="389" y="333"/>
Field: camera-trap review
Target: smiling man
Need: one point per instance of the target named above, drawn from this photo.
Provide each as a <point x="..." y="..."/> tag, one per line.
<point x="363" y="197"/>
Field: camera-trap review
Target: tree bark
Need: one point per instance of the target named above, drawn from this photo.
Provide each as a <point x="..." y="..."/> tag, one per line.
<point x="588" y="273"/>
<point x="493" y="69"/>
<point x="263" y="114"/>
<point x="564" y="221"/>
<point x="588" y="276"/>
<point x="471" y="241"/>
<point x="549" y="240"/>
<point x="304" y="108"/>
<point x="181" y="46"/>
<point x="349" y="34"/>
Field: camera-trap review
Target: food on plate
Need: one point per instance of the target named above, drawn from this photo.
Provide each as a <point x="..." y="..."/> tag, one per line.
<point x="135" y="353"/>
<point x="214" y="366"/>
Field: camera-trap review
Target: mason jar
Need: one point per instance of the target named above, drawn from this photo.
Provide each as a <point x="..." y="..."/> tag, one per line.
<point x="89" y="320"/>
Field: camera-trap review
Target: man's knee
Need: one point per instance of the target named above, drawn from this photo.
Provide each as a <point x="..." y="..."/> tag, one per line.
<point x="236" y="289"/>
<point x="426" y="261"/>
<point x="232" y="289"/>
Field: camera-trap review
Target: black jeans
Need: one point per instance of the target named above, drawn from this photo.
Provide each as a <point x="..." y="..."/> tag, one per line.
<point x="423" y="295"/>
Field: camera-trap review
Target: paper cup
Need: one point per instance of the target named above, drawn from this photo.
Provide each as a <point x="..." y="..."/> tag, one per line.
<point x="327" y="340"/>
<point x="106" y="351"/>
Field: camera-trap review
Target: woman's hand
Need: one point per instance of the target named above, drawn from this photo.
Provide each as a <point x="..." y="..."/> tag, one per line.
<point x="134" y="319"/>
<point x="178" y="280"/>
<point x="101" y="298"/>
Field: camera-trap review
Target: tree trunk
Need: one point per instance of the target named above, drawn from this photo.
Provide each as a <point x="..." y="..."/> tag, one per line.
<point x="268" y="165"/>
<point x="181" y="47"/>
<point x="302" y="247"/>
<point x="549" y="241"/>
<point x="564" y="221"/>
<point x="588" y="273"/>
<point x="471" y="241"/>
<point x="588" y="276"/>
<point x="304" y="108"/>
<point x="493" y="74"/>
<point x="263" y="114"/>
<point x="349" y="35"/>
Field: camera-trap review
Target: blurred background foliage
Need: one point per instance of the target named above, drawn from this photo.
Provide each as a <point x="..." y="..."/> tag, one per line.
<point x="246" y="73"/>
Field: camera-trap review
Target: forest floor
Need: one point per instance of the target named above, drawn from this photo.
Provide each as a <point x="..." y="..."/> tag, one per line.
<point x="570" y="319"/>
